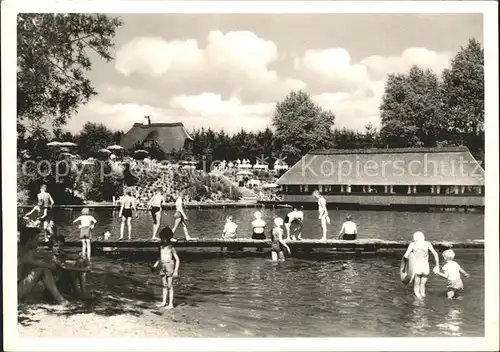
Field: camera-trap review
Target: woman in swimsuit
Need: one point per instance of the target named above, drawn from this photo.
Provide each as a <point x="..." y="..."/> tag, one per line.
<point x="258" y="226"/>
<point x="277" y="243"/>
<point x="127" y="205"/>
<point x="154" y="206"/>
<point x="420" y="249"/>
<point x="323" y="213"/>
<point x="180" y="217"/>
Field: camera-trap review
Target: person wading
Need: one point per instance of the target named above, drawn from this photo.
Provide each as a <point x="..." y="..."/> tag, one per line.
<point x="154" y="206"/>
<point x="127" y="205"/>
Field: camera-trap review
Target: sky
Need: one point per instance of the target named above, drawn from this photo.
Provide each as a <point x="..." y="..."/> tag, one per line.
<point x="228" y="71"/>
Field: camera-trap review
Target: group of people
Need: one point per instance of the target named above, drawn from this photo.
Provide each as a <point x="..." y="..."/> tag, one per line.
<point x="155" y="205"/>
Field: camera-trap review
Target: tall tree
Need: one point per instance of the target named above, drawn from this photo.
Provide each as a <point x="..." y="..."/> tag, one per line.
<point x="414" y="101"/>
<point x="301" y="125"/>
<point x="463" y="95"/>
<point x="93" y="137"/>
<point x="53" y="54"/>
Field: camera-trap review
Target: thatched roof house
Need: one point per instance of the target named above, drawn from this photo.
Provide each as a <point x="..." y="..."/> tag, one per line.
<point x="398" y="166"/>
<point x="169" y="136"/>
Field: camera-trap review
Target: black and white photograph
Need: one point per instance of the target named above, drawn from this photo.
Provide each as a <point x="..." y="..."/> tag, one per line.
<point x="250" y="170"/>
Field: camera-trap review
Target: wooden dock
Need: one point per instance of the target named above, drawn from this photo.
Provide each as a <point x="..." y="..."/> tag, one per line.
<point x="370" y="245"/>
<point x="168" y="206"/>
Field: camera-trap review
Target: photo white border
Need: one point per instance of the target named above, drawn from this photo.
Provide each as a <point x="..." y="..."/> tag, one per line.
<point x="490" y="21"/>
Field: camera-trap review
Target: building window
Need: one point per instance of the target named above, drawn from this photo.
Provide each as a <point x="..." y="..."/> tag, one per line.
<point x="423" y="189"/>
<point x="357" y="189"/>
<point x="400" y="189"/>
<point x="294" y="189"/>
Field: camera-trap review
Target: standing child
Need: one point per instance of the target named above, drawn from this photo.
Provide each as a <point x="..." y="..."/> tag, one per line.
<point x="420" y="249"/>
<point x="87" y="223"/>
<point x="277" y="243"/>
<point x="169" y="266"/>
<point x="229" y="228"/>
<point x="451" y="271"/>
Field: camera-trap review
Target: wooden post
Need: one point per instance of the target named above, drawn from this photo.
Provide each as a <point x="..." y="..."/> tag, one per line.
<point x="391" y="190"/>
<point x="409" y="189"/>
<point x="456" y="189"/>
<point x="414" y="189"/>
<point x="348" y="188"/>
<point x="438" y="189"/>
<point x="462" y="189"/>
<point x="386" y="189"/>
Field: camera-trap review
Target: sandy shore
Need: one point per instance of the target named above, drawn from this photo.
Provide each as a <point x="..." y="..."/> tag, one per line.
<point x="44" y="321"/>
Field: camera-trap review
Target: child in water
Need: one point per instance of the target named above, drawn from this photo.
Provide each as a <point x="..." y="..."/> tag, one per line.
<point x="277" y="243"/>
<point x="87" y="223"/>
<point x="169" y="262"/>
<point x="229" y="228"/>
<point x="420" y="249"/>
<point x="451" y="271"/>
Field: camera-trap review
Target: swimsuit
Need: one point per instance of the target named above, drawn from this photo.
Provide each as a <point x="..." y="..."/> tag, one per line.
<point x="421" y="263"/>
<point x="275" y="243"/>
<point x="349" y="236"/>
<point x="455" y="285"/>
<point x="167" y="269"/>
<point x="127" y="213"/>
<point x="85" y="233"/>
<point x="154" y="211"/>
<point x="258" y="236"/>
<point x="178" y="215"/>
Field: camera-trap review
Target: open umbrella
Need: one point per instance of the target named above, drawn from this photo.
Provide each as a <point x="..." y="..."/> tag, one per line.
<point x="141" y="151"/>
<point x="68" y="144"/>
<point x="104" y="150"/>
<point x="68" y="155"/>
<point x="115" y="147"/>
<point x="244" y="172"/>
<point x="269" y="185"/>
<point x="64" y="149"/>
<point x="54" y="144"/>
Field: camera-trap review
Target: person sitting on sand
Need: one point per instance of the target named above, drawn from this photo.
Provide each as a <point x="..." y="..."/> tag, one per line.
<point x="86" y="226"/>
<point x="451" y="271"/>
<point x="127" y="205"/>
<point x="420" y="249"/>
<point x="293" y="224"/>
<point x="31" y="270"/>
<point x="169" y="267"/>
<point x="229" y="228"/>
<point x="155" y="205"/>
<point x="258" y="226"/>
<point x="180" y="217"/>
<point x="348" y="232"/>
<point x="277" y="243"/>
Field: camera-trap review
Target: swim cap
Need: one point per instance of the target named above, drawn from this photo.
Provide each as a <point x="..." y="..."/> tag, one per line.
<point x="418" y="236"/>
<point x="257" y="215"/>
<point x="278" y="222"/>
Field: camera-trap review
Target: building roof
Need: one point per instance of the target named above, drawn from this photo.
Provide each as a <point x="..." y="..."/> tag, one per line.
<point x="168" y="135"/>
<point x="399" y="166"/>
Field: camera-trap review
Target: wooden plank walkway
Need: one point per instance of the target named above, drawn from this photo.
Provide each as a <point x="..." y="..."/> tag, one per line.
<point x="361" y="244"/>
<point x="250" y="204"/>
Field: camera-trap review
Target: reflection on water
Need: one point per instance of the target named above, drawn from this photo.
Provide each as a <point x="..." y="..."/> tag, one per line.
<point x="252" y="296"/>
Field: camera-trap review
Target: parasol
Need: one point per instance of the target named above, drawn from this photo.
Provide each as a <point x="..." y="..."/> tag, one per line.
<point x="269" y="185"/>
<point x="244" y="172"/>
<point x="68" y="144"/>
<point x="54" y="144"/>
<point x="104" y="150"/>
<point x="115" y="147"/>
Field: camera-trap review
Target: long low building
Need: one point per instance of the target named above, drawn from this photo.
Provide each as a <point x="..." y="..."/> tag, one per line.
<point x="443" y="177"/>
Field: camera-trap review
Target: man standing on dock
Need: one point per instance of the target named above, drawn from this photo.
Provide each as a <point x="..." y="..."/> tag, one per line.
<point x="323" y="213"/>
<point x="180" y="216"/>
<point x="47" y="202"/>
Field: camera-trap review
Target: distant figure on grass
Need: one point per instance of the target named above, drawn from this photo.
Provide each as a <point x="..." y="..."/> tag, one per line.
<point x="293" y="224"/>
<point x="451" y="271"/>
<point x="154" y="206"/>
<point x="86" y="226"/>
<point x="323" y="213"/>
<point x="169" y="266"/>
<point x="127" y="205"/>
<point x="258" y="226"/>
<point x="420" y="249"/>
<point x="348" y="231"/>
<point x="180" y="217"/>
<point x="229" y="228"/>
<point x="277" y="243"/>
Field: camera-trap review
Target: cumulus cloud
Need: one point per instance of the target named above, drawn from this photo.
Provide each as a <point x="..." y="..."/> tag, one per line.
<point x="381" y="66"/>
<point x="236" y="62"/>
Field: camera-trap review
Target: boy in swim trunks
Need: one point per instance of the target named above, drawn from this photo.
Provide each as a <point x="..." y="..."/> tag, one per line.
<point x="349" y="230"/>
<point x="87" y="223"/>
<point x="45" y="202"/>
<point x="180" y="217"/>
<point x="277" y="243"/>
<point x="451" y="271"/>
<point x="168" y="265"/>
<point x="127" y="205"/>
<point x="155" y="204"/>
<point x="420" y="249"/>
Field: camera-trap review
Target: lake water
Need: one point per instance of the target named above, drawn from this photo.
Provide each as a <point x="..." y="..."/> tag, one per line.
<point x="251" y="296"/>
